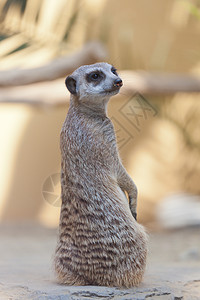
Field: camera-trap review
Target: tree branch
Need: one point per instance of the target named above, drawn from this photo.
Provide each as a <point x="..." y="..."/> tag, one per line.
<point x="55" y="92"/>
<point x="89" y="54"/>
<point x="159" y="83"/>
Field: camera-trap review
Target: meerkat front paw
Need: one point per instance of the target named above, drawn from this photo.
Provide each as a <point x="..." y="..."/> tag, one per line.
<point x="134" y="215"/>
<point x="133" y="208"/>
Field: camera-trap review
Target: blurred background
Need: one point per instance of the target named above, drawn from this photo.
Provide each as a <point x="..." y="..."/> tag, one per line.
<point x="155" y="47"/>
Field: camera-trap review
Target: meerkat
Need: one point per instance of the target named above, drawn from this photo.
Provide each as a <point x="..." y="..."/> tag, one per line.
<point x="100" y="241"/>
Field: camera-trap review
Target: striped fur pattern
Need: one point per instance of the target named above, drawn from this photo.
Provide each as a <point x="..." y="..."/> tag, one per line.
<point x="100" y="242"/>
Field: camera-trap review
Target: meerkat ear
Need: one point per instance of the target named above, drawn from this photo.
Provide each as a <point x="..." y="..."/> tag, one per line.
<point x="70" y="83"/>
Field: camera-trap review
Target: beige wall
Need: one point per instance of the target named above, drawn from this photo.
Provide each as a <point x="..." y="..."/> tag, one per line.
<point x="29" y="154"/>
<point x="156" y="156"/>
<point x="162" y="157"/>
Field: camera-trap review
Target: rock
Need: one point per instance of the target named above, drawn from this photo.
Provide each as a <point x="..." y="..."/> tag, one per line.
<point x="178" y="211"/>
<point x="191" y="254"/>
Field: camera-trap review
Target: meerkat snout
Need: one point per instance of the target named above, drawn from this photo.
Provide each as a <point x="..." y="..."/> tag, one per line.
<point x="118" y="82"/>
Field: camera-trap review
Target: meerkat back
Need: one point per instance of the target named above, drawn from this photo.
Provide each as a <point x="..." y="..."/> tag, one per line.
<point x="100" y="241"/>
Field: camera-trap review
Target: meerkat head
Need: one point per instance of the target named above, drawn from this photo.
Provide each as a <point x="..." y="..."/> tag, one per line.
<point x="93" y="83"/>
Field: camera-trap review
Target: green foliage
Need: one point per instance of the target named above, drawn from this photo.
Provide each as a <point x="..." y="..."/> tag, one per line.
<point x="28" y="26"/>
<point x="21" y="4"/>
<point x="193" y="8"/>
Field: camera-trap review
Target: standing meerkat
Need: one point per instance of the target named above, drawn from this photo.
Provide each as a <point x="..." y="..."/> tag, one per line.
<point x="100" y="242"/>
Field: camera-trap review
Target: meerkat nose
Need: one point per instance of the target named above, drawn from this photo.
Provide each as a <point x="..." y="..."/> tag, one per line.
<point x="118" y="82"/>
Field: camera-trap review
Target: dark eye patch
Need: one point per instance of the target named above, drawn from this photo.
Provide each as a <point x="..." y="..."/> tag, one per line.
<point x="95" y="76"/>
<point x="114" y="71"/>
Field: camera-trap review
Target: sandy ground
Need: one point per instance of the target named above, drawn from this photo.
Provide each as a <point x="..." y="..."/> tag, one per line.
<point x="26" y="252"/>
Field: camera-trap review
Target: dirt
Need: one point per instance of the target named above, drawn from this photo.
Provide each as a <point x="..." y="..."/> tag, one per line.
<point x="26" y="255"/>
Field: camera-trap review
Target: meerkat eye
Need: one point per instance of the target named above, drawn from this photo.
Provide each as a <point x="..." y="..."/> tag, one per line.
<point x="114" y="71"/>
<point x="95" y="76"/>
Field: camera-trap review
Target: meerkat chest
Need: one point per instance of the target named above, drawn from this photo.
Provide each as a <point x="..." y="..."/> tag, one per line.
<point x="101" y="137"/>
<point x="91" y="139"/>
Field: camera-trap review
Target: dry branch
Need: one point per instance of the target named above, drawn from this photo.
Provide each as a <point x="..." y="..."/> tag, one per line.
<point x="89" y="54"/>
<point x="159" y="83"/>
<point x="39" y="94"/>
<point x="55" y="92"/>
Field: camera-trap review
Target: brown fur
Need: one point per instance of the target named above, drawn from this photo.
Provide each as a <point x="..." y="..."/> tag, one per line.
<point x="100" y="243"/>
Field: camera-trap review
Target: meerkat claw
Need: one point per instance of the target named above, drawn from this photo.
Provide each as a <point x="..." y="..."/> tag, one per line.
<point x="135" y="216"/>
